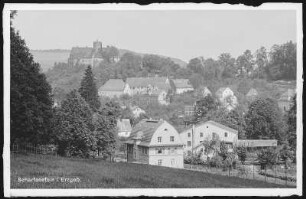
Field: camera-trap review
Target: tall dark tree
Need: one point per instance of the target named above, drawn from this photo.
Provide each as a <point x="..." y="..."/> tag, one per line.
<point x="88" y="90"/>
<point x="264" y="119"/>
<point x="105" y="121"/>
<point x="74" y="128"/>
<point x="30" y="98"/>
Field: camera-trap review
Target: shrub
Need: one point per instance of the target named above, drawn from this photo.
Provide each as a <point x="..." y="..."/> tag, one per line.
<point x="267" y="157"/>
<point x="216" y="161"/>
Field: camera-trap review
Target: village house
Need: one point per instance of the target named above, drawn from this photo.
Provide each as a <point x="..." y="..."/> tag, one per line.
<point x="205" y="91"/>
<point x="182" y="86"/>
<point x="194" y="137"/>
<point x="155" y="142"/>
<point x="252" y="94"/>
<point x="146" y="85"/>
<point x="112" y="88"/>
<point x="189" y="110"/>
<point x="227" y="98"/>
<point x="137" y="111"/>
<point x="124" y="127"/>
<point x="86" y="55"/>
<point x="148" y="89"/>
<point x="285" y="99"/>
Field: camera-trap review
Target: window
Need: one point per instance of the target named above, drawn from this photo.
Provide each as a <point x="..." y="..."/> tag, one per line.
<point x="214" y="136"/>
<point x="159" y="151"/>
<point x="172" y="151"/>
<point x="171" y="138"/>
<point x="225" y="134"/>
<point x="189" y="143"/>
<point x="166" y="130"/>
<point x="189" y="135"/>
<point x="201" y="135"/>
<point x="160" y="162"/>
<point x="159" y="139"/>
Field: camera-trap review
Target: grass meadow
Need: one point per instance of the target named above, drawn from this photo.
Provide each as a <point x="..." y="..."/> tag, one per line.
<point x="97" y="173"/>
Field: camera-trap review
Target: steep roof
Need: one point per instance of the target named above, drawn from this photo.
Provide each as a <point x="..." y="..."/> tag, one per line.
<point x="113" y="85"/>
<point x="159" y="82"/>
<point x="257" y="143"/>
<point x="124" y="125"/>
<point x="147" y="127"/>
<point x="286" y="96"/>
<point x="182" y="83"/>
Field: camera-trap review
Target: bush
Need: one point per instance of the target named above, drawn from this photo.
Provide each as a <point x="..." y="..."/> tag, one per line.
<point x="243" y="170"/>
<point x="216" y="161"/>
<point x="267" y="157"/>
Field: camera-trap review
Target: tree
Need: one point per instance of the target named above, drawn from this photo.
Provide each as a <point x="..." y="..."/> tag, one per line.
<point x="283" y="62"/>
<point x="203" y="106"/>
<point x="245" y="64"/>
<point x="264" y="119"/>
<point x="267" y="157"/>
<point x="73" y="127"/>
<point x="286" y="154"/>
<point x="110" y="54"/>
<point x="105" y="121"/>
<point x="291" y="122"/>
<point x="88" y="90"/>
<point x="30" y="95"/>
<point x="227" y="66"/>
<point x="242" y="154"/>
<point x="261" y="61"/>
<point x="196" y="65"/>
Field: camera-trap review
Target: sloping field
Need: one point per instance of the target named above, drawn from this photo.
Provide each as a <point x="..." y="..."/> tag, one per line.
<point x="58" y="172"/>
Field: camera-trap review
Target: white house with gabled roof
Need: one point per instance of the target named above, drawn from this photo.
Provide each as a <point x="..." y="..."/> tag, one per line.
<point x="194" y="137"/>
<point x="227" y="98"/>
<point x="155" y="142"/>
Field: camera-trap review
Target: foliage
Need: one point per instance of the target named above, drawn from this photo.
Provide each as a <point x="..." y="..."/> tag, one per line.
<point x="291" y="122"/>
<point x="285" y="154"/>
<point x="203" y="106"/>
<point x="216" y="161"/>
<point x="30" y="95"/>
<point x="74" y="128"/>
<point x="88" y="90"/>
<point x="267" y="157"/>
<point x="245" y="64"/>
<point x="110" y="54"/>
<point x="283" y="62"/>
<point x="264" y="119"/>
<point x="242" y="154"/>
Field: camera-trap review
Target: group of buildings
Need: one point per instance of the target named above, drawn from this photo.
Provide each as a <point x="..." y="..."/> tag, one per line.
<point x="151" y="89"/>
<point x="156" y="142"/>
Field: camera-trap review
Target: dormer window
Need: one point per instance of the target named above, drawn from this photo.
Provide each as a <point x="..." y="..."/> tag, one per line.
<point x="171" y="138"/>
<point x="225" y="134"/>
<point x="159" y="139"/>
<point x="201" y="134"/>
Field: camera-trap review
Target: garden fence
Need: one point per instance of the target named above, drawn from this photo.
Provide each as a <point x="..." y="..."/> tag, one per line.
<point x="277" y="174"/>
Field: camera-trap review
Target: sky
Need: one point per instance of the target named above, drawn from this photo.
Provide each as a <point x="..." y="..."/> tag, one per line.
<point x="182" y="34"/>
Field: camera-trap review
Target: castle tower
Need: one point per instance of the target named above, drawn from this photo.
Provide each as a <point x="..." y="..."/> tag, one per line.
<point x="97" y="45"/>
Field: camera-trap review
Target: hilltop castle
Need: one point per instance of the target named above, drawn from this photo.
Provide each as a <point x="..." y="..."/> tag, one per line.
<point x="86" y="55"/>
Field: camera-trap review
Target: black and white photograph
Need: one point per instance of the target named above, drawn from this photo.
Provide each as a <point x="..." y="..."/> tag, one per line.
<point x="155" y="100"/>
